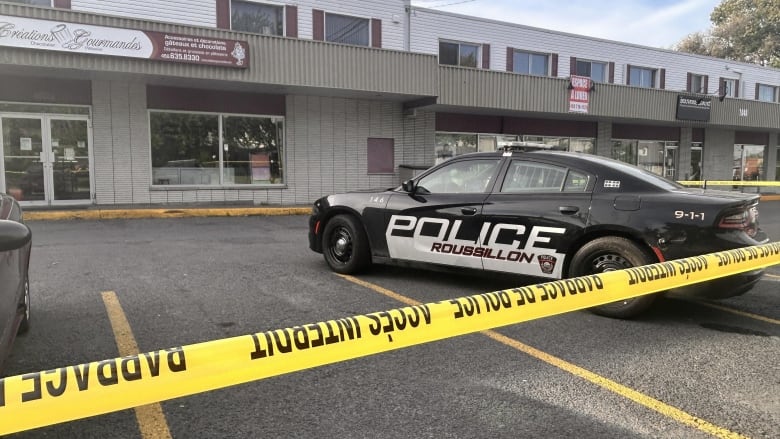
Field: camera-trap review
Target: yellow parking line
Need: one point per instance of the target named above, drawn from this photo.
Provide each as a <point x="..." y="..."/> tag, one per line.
<point x="737" y="312"/>
<point x="638" y="397"/>
<point x="773" y="276"/>
<point x="151" y="420"/>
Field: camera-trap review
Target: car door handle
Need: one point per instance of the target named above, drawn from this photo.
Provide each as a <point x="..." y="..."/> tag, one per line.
<point x="568" y="210"/>
<point x="468" y="210"/>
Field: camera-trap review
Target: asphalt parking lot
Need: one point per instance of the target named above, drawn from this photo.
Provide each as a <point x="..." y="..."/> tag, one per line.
<point x="187" y="280"/>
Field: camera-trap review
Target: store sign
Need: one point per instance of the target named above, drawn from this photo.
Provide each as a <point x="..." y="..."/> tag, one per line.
<point x="29" y="33"/>
<point x="579" y="94"/>
<point x="693" y="108"/>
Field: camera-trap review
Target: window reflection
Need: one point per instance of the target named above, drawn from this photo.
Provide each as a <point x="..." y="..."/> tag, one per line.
<point x="190" y="149"/>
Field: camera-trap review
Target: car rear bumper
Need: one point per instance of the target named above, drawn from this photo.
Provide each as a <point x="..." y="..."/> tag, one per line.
<point x="720" y="288"/>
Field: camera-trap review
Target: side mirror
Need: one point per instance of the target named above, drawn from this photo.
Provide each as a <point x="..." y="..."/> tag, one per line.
<point x="409" y="186"/>
<point x="13" y="235"/>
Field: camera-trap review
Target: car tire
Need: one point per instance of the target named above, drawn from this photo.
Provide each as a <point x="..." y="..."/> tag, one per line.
<point x="345" y="245"/>
<point x="612" y="253"/>
<point x="24" y="325"/>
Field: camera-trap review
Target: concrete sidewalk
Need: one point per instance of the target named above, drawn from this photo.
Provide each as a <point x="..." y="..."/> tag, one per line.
<point x="93" y="213"/>
<point x="96" y="213"/>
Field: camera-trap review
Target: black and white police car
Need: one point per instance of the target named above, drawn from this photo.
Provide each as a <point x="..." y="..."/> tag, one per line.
<point x="546" y="214"/>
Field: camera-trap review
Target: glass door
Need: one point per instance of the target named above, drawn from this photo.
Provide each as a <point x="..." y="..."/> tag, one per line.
<point x="23" y="158"/>
<point x="696" y="158"/>
<point x="46" y="158"/>
<point x="69" y="158"/>
<point x="670" y="162"/>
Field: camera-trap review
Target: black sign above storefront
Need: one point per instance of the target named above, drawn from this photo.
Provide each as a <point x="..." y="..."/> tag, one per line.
<point x="693" y="108"/>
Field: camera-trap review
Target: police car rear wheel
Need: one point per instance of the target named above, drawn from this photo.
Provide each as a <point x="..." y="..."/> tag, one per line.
<point x="608" y="254"/>
<point x="345" y="245"/>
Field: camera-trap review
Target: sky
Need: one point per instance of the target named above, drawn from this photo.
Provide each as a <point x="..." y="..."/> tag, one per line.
<point x="654" y="23"/>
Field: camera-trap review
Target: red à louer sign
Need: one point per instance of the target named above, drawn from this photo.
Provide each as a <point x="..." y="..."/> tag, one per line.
<point x="579" y="95"/>
<point x="30" y="33"/>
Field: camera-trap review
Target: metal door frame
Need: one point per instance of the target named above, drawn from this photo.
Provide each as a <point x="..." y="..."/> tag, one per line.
<point x="46" y="147"/>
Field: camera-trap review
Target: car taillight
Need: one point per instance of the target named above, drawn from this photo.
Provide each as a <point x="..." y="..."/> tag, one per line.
<point x="745" y="219"/>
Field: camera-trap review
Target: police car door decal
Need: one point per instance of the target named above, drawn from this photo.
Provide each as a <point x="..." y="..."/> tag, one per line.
<point x="433" y="240"/>
<point x="515" y="248"/>
<point x="512" y="248"/>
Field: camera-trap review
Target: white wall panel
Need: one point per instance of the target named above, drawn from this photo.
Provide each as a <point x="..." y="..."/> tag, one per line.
<point x="391" y="12"/>
<point x="193" y="12"/>
<point x="204" y="13"/>
<point x="428" y="26"/>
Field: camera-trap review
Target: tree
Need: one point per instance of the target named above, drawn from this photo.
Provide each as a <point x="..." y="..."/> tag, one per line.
<point x="743" y="30"/>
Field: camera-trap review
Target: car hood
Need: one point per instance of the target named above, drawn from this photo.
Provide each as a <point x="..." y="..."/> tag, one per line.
<point x="371" y="191"/>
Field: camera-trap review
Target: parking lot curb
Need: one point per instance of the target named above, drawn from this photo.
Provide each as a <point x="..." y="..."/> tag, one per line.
<point x="105" y="214"/>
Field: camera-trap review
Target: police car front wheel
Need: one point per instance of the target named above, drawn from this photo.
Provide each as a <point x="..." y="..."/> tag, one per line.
<point x="345" y="245"/>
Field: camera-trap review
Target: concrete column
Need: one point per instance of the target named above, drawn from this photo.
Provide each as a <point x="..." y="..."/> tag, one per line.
<point x="604" y="139"/>
<point x="770" y="162"/>
<point x="684" y="153"/>
<point x="718" y="154"/>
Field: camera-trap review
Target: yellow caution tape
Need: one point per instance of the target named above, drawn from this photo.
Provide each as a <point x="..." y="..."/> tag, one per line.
<point x="43" y="398"/>
<point x="728" y="183"/>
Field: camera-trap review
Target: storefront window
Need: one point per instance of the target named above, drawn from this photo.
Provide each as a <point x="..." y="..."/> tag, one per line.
<point x="584" y="145"/>
<point x="251" y="149"/>
<point x="449" y="145"/>
<point x="777" y="169"/>
<point x="495" y="142"/>
<point x="211" y="149"/>
<point x="556" y="143"/>
<point x="624" y="150"/>
<point x="452" y="144"/>
<point x="650" y="156"/>
<point x="656" y="156"/>
<point x="748" y="162"/>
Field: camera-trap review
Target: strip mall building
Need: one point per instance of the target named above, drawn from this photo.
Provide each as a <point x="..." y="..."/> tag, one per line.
<point x="219" y="101"/>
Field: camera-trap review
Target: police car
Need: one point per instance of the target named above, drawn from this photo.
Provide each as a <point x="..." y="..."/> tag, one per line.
<point x="545" y="214"/>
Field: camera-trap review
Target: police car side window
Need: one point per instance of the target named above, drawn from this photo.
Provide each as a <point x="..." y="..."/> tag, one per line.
<point x="463" y="176"/>
<point x="526" y="176"/>
<point x="576" y="182"/>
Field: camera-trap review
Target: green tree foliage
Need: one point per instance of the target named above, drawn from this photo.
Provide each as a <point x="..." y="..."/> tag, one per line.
<point x="743" y="30"/>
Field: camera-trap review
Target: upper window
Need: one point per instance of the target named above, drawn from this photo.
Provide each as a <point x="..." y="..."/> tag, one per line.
<point x="33" y="2"/>
<point x="729" y="88"/>
<point x="641" y="77"/>
<point x="597" y="71"/>
<point x="214" y="149"/>
<point x="258" y="18"/>
<point x="766" y="93"/>
<point x="698" y="84"/>
<point x="462" y="176"/>
<point x="346" y="30"/>
<point x="458" y="54"/>
<point x="530" y="63"/>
